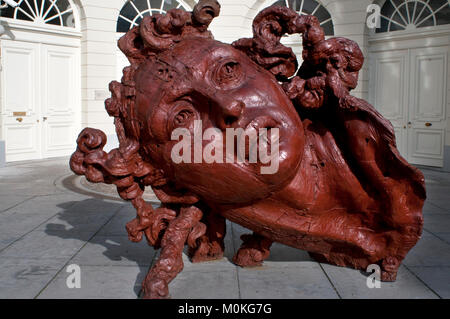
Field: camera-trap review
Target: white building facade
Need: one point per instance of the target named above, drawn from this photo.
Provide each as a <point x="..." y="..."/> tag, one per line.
<point x="58" y="57"/>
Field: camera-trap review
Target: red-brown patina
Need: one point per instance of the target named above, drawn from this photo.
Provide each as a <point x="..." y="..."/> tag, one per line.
<point x="342" y="190"/>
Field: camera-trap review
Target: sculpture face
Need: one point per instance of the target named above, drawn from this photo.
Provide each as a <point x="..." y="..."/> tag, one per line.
<point x="212" y="82"/>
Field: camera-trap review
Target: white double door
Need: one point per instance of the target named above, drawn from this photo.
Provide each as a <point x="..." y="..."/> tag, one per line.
<point x="41" y="103"/>
<point x="409" y="88"/>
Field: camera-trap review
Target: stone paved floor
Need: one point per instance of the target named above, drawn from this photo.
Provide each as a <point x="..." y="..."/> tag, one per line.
<point x="44" y="227"/>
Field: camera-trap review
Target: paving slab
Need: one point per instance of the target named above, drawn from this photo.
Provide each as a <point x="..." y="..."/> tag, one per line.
<point x="29" y="188"/>
<point x="444" y="236"/>
<point x="437" y="278"/>
<point x="429" y="251"/>
<point x="32" y="213"/>
<point x="437" y="223"/>
<point x="116" y="226"/>
<point x="115" y="251"/>
<point x="40" y="245"/>
<point x="285" y="280"/>
<point x="435" y="176"/>
<point x="97" y="282"/>
<point x="25" y="278"/>
<point x="7" y="201"/>
<point x="7" y="238"/>
<point x="352" y="283"/>
<point x="32" y="178"/>
<point x="431" y="209"/>
<point x="443" y="202"/>
<point x="86" y="215"/>
<point x="208" y="280"/>
<point x="438" y="191"/>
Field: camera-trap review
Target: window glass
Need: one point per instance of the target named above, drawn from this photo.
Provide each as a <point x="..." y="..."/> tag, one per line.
<point x="311" y="7"/>
<point x="54" y="12"/>
<point x="398" y="15"/>
<point x="133" y="11"/>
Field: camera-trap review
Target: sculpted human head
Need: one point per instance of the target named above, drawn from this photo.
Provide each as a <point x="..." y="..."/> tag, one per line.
<point x="179" y="77"/>
<point x="212" y="82"/>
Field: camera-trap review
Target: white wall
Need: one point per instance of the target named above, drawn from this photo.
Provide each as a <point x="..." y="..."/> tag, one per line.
<point x="98" y="60"/>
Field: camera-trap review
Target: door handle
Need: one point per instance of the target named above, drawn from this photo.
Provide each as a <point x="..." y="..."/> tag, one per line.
<point x="19" y="119"/>
<point x="428" y="124"/>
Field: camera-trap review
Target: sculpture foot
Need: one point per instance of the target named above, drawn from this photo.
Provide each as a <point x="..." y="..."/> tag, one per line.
<point x="254" y="250"/>
<point x="206" y="252"/>
<point x="211" y="245"/>
<point x="389" y="269"/>
<point x="388" y="276"/>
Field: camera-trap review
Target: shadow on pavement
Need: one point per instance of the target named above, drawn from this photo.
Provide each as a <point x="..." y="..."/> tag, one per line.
<point x="84" y="220"/>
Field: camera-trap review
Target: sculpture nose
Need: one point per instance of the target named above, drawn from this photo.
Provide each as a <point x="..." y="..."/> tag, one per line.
<point x="231" y="113"/>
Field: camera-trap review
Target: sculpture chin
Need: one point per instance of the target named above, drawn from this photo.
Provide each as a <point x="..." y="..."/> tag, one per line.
<point x="234" y="183"/>
<point x="244" y="182"/>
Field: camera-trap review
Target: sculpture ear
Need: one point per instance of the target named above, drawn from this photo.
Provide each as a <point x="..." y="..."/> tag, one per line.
<point x="265" y="48"/>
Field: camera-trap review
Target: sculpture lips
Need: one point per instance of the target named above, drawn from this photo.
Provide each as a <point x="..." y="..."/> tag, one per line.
<point x="261" y="122"/>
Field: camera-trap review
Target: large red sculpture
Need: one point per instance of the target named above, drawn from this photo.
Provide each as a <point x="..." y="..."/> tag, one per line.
<point x="341" y="190"/>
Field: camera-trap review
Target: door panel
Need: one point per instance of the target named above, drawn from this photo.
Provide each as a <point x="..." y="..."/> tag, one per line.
<point x="59" y="78"/>
<point x="430" y="88"/>
<point x="21" y="141"/>
<point x="60" y="100"/>
<point x="427" y="147"/>
<point x="427" y="105"/>
<point x="20" y="105"/>
<point x="390" y="82"/>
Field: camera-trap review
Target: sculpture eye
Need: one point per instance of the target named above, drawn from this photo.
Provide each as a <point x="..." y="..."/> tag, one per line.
<point x="228" y="75"/>
<point x="182" y="115"/>
<point x="183" y="118"/>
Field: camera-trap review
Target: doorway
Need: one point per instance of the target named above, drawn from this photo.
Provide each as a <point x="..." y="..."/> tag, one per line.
<point x="40" y="112"/>
<point x="41" y="99"/>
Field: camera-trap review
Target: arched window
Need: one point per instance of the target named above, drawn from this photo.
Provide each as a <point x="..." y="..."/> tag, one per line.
<point x="410" y="14"/>
<point x="54" y="12"/>
<point x="311" y="7"/>
<point x="134" y="10"/>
